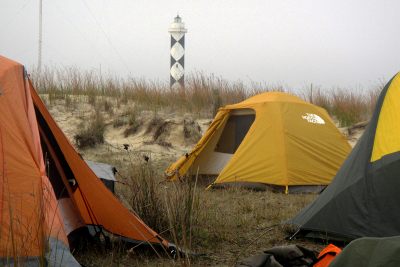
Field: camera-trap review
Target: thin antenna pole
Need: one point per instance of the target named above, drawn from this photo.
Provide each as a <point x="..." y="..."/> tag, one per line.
<point x="40" y="38"/>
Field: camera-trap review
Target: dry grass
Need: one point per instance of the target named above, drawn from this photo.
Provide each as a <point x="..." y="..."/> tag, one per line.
<point x="202" y="95"/>
<point x="219" y="223"/>
<point x="91" y="132"/>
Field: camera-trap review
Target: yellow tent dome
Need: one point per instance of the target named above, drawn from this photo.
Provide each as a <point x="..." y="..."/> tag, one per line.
<point x="272" y="138"/>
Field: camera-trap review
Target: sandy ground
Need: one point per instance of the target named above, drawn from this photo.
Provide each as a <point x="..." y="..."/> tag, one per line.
<point x="164" y="139"/>
<point x="169" y="144"/>
<point x="354" y="132"/>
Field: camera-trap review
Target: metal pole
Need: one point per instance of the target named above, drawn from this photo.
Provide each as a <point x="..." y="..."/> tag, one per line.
<point x="40" y="38"/>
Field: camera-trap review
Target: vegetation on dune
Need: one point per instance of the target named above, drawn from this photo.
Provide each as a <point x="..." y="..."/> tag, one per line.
<point x="219" y="223"/>
<point x="202" y="95"/>
<point x="91" y="133"/>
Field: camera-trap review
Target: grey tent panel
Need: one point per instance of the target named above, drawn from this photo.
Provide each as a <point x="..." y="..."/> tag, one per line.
<point x="57" y="255"/>
<point x="102" y="170"/>
<point x="105" y="172"/>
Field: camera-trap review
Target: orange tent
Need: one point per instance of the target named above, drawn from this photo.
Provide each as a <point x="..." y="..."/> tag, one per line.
<point x="41" y="214"/>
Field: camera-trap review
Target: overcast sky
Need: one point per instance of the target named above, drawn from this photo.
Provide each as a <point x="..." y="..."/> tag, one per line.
<point x="295" y="43"/>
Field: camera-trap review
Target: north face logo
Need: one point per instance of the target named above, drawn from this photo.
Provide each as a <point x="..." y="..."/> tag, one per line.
<point x="312" y="118"/>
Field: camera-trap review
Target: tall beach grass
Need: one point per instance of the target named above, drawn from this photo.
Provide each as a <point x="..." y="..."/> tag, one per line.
<point x="218" y="222"/>
<point x="203" y="94"/>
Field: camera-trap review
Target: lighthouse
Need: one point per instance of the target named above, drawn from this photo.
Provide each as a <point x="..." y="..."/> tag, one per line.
<point x="177" y="66"/>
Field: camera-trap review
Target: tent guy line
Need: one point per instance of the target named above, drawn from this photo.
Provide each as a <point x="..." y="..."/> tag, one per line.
<point x="108" y="39"/>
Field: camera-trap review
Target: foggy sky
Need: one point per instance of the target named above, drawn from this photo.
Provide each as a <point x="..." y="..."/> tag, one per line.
<point x="350" y="44"/>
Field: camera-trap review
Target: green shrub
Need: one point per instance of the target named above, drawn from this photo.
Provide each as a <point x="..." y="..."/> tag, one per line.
<point x="92" y="133"/>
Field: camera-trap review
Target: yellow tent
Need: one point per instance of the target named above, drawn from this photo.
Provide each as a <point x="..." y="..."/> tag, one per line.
<point x="272" y="138"/>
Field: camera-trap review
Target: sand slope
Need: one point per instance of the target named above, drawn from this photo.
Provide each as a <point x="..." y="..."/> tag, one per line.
<point x="161" y="135"/>
<point x="164" y="136"/>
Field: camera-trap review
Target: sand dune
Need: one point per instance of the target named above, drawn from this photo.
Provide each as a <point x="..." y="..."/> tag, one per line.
<point x="163" y="135"/>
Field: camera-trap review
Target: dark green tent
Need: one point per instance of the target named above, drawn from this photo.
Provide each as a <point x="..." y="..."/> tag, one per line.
<point x="369" y="252"/>
<point x="363" y="199"/>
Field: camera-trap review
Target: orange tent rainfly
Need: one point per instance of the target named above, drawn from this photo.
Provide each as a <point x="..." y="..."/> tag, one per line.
<point x="42" y="216"/>
<point x="269" y="139"/>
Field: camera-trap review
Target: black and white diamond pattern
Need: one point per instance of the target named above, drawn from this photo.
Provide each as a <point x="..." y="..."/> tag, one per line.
<point x="177" y="59"/>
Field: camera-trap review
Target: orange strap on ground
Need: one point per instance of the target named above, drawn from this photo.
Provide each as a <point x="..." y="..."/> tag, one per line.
<point x="327" y="255"/>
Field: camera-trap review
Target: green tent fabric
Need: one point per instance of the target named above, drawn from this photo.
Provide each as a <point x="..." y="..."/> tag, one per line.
<point x="370" y="252"/>
<point x="363" y="198"/>
<point x="282" y="256"/>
